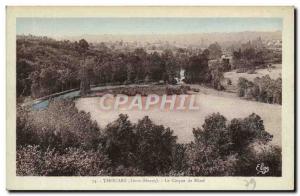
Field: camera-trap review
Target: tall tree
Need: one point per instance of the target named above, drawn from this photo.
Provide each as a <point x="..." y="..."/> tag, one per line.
<point x="215" y="51"/>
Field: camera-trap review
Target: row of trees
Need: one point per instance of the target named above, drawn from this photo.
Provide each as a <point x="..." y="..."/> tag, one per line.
<point x="61" y="141"/>
<point x="251" y="58"/>
<point x="262" y="89"/>
<point x="46" y="66"/>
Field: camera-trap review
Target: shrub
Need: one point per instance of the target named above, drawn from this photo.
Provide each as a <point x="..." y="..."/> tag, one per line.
<point x="32" y="161"/>
<point x="268" y="155"/>
<point x="25" y="133"/>
<point x="243" y="86"/>
<point x="219" y="148"/>
<point x="61" y="125"/>
<point x="145" y="90"/>
<point x="263" y="89"/>
<point x="214" y="134"/>
<point x="209" y="154"/>
<point x="251" y="71"/>
<point x="143" y="147"/>
<point x="203" y="161"/>
<point x="244" y="132"/>
<point x="28" y="161"/>
<point x="121" y="170"/>
<point x="179" y="159"/>
<point x="76" y="162"/>
<point x="217" y="76"/>
<point x="61" y="141"/>
<point x="120" y="142"/>
<point x="154" y="148"/>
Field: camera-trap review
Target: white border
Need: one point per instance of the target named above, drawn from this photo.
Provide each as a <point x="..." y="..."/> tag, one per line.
<point x="186" y="3"/>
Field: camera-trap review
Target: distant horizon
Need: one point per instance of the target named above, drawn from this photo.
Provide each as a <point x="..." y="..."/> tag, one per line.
<point x="72" y="27"/>
<point x="153" y="33"/>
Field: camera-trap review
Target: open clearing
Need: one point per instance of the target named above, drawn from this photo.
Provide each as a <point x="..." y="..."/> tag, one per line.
<point x="274" y="73"/>
<point x="183" y="122"/>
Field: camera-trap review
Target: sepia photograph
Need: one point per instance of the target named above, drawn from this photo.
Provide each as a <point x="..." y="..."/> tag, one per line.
<point x="151" y="96"/>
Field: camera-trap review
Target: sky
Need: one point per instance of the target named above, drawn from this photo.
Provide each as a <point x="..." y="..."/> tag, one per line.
<point x="97" y="26"/>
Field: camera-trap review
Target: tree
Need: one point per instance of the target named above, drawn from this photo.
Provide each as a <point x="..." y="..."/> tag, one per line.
<point x="59" y="126"/>
<point x="156" y="67"/>
<point x="24" y="68"/>
<point x="222" y="149"/>
<point x="155" y="146"/>
<point x="120" y="142"/>
<point x="84" y="80"/>
<point x="213" y="134"/>
<point x="215" y="51"/>
<point x="209" y="155"/>
<point x="243" y="86"/>
<point x="83" y="46"/>
<point x="171" y="67"/>
<point x="216" y="79"/>
<point x="244" y="132"/>
<point x="237" y="59"/>
<point x="197" y="69"/>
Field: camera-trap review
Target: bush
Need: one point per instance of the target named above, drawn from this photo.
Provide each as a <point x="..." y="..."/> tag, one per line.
<point x="241" y="70"/>
<point x="120" y="142"/>
<point x="209" y="154"/>
<point x="179" y="159"/>
<point x="143" y="146"/>
<point x="61" y="126"/>
<point x="76" y="162"/>
<point x="251" y="71"/>
<point x="32" y="161"/>
<point x="203" y="161"/>
<point x="121" y="170"/>
<point x="263" y="89"/>
<point x="61" y="141"/>
<point x="24" y="131"/>
<point x="154" y="147"/>
<point x="222" y="149"/>
<point x="214" y="134"/>
<point x="243" y="86"/>
<point x="268" y="155"/>
<point x="147" y="90"/>
<point x="29" y="161"/>
<point x="244" y="132"/>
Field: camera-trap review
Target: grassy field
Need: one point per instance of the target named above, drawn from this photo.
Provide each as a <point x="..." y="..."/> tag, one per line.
<point x="182" y="122"/>
<point x="274" y="73"/>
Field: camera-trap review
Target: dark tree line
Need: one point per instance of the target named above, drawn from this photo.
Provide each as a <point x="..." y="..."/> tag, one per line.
<point x="46" y="66"/>
<point x="250" y="57"/>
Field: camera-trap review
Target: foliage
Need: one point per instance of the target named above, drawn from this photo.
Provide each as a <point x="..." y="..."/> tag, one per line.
<point x="61" y="65"/>
<point x="61" y="141"/>
<point x="217" y="76"/>
<point x="154" y="148"/>
<point x="120" y="141"/>
<point x="32" y="161"/>
<point x="29" y="161"/>
<point x="219" y="148"/>
<point x="268" y="155"/>
<point x="197" y="68"/>
<point x="250" y="56"/>
<point x="146" y="90"/>
<point x="59" y="126"/>
<point x="263" y="89"/>
<point x="215" y="51"/>
<point x="145" y="146"/>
